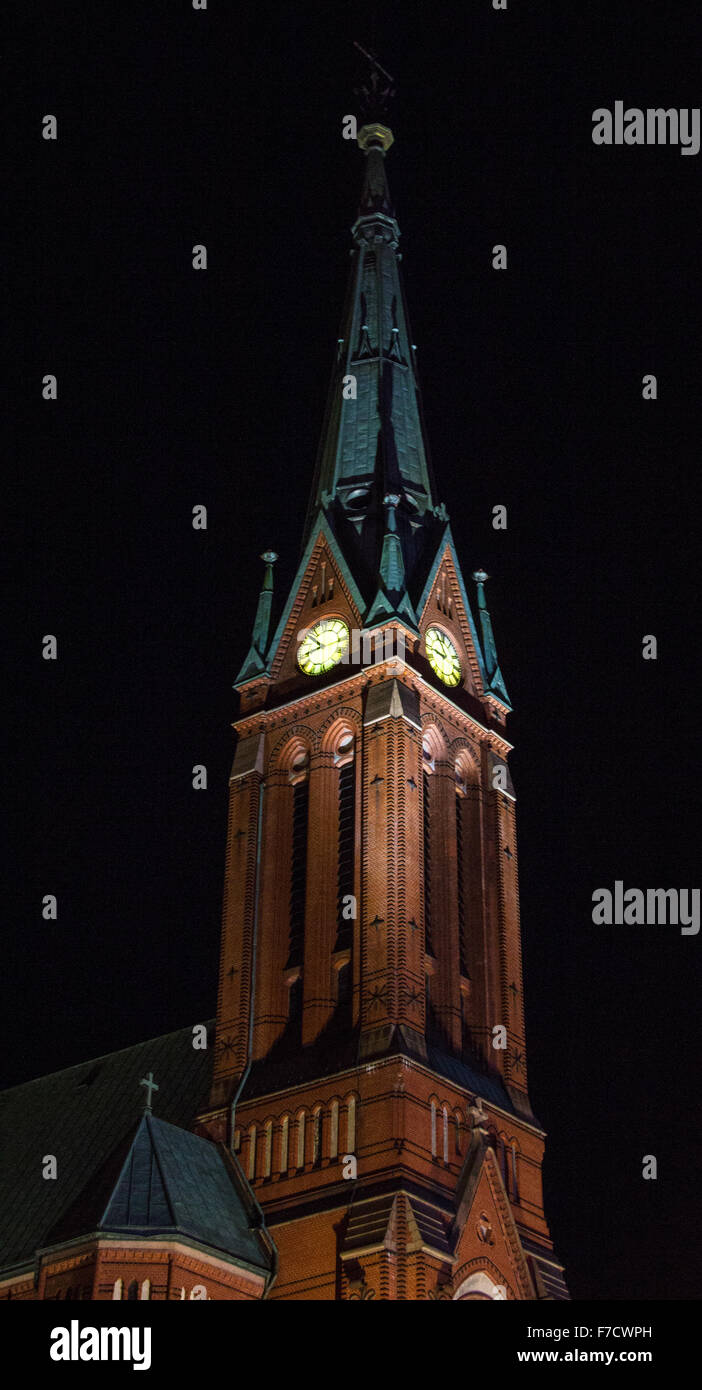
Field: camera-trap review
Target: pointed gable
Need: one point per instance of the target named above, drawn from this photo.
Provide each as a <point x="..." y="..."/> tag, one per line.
<point x="323" y="588"/>
<point x="485" y="1232"/>
<point x="444" y="604"/>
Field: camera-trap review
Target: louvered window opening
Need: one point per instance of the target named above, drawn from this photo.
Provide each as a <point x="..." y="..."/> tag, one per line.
<point x="427" y="868"/>
<point x="462" y="941"/>
<point x="298" y="874"/>
<point x="345" y="880"/>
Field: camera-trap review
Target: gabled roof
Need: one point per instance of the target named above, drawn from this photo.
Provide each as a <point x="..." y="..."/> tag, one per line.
<point x="86" y="1116"/>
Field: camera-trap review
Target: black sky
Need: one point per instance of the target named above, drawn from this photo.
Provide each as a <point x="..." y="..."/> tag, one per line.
<point x="176" y="388"/>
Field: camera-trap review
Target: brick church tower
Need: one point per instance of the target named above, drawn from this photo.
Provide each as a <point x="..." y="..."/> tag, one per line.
<point x="370" y="1063"/>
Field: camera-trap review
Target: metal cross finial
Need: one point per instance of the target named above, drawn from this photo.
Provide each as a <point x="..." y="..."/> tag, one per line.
<point x="377" y="90"/>
<point x="150" y="1084"/>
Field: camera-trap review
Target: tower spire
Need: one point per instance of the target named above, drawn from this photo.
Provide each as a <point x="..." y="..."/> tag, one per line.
<point x="373" y="442"/>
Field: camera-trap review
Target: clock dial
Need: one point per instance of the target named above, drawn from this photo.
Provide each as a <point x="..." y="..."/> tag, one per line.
<point x="324" y="646"/>
<point x="443" y="656"/>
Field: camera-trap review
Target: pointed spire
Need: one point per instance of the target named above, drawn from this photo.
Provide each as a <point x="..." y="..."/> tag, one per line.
<point x="492" y="667"/>
<point x="373" y="441"/>
<point x="255" y="663"/>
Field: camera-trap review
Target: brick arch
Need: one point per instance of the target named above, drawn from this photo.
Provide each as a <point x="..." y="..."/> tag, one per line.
<point x="340" y="722"/>
<point x="433" y="734"/>
<point x="480" y="1285"/>
<point x="297" y="739"/>
<point x="466" y="757"/>
<point x="481" y="1265"/>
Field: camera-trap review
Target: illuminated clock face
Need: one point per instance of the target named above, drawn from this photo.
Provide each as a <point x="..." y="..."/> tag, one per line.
<point x="443" y="656"/>
<point x="324" y="646"/>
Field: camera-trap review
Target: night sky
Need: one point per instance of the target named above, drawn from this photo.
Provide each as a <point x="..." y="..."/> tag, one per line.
<point x="178" y="388"/>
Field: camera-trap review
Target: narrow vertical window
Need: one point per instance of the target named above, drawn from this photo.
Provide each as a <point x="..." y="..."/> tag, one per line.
<point x="345" y="870"/>
<point x="301" y="1139"/>
<point x="117" y="1289"/>
<point x="433" y="1129"/>
<point x="146" y="1289"/>
<point x="350" y="1124"/>
<point x="284" y="1143"/>
<point x="334" y="1130"/>
<point x="133" y="1292"/>
<point x="317" y="1135"/>
<point x="445" y="1134"/>
<point x="252" y="1153"/>
<point x="460" y="888"/>
<point x="298" y="871"/>
<point x="427" y="868"/>
<point x="268" y="1149"/>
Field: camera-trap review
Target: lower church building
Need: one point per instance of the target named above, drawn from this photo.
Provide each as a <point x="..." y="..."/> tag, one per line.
<point x="355" y="1123"/>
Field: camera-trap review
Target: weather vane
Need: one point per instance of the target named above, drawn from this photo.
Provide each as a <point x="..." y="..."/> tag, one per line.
<point x="375" y="91"/>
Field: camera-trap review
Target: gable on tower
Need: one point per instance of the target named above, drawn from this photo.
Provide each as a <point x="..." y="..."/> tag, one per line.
<point x="323" y="588"/>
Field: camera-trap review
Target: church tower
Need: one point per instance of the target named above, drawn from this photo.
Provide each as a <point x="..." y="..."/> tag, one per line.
<point x="370" y="1062"/>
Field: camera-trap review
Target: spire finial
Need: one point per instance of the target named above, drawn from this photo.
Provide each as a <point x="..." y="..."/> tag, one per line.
<point x="481" y="578"/>
<point x="265" y="598"/>
<point x="375" y="90"/>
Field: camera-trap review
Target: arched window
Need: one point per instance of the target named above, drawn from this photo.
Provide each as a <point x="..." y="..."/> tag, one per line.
<point x="460" y="879"/>
<point x="146" y="1289"/>
<point x="433" y="1129"/>
<point x="350" y="1124"/>
<point x="445" y="1132"/>
<point x="251" y="1172"/>
<point x="334" y="1129"/>
<point x="299" y="776"/>
<point x="284" y="1143"/>
<point x="427" y="858"/>
<point x="117" y="1289"/>
<point x="317" y="1135"/>
<point x="347" y="839"/>
<point x="133" y="1292"/>
<point x="268" y="1149"/>
<point x="480" y="1286"/>
<point x="301" y="1139"/>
